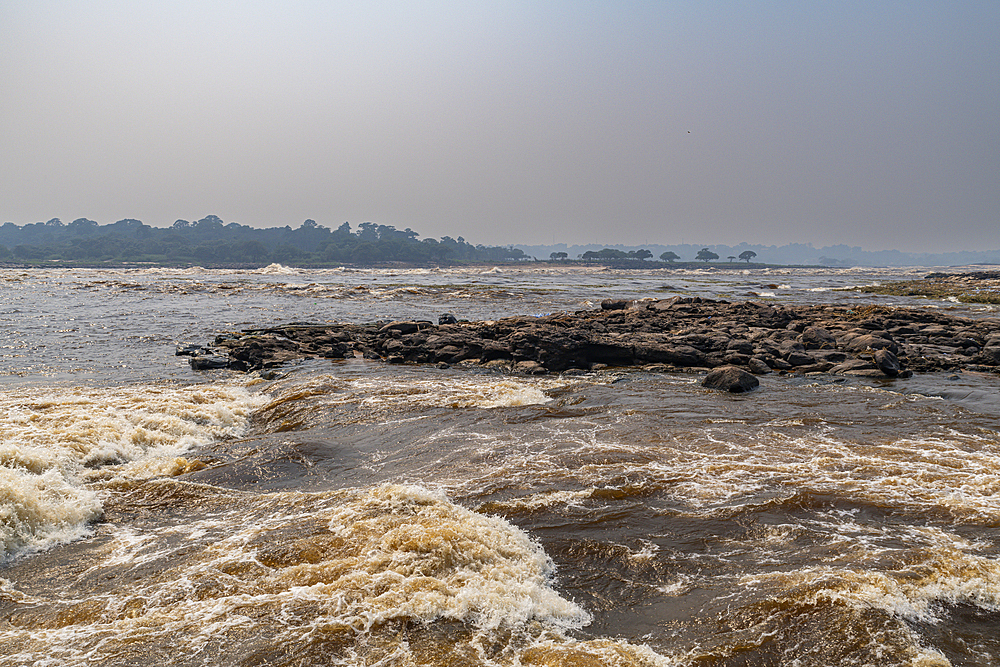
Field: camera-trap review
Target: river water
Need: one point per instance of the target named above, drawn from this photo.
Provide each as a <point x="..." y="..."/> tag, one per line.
<point x="347" y="512"/>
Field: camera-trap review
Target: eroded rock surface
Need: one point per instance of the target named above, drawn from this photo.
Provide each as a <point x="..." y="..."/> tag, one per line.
<point x="677" y="333"/>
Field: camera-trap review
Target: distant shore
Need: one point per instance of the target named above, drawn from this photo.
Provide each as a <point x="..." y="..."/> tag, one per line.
<point x="634" y="265"/>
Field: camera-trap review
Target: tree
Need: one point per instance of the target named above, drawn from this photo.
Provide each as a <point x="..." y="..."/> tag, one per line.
<point x="747" y="255"/>
<point x="643" y="254"/>
<point x="706" y="255"/>
<point x="731" y="258"/>
<point x="669" y="256"/>
<point x="83" y="226"/>
<point x="558" y="255"/>
<point x="368" y="231"/>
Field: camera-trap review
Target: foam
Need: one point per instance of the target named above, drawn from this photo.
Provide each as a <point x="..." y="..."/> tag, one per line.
<point x="54" y="441"/>
<point x="370" y="570"/>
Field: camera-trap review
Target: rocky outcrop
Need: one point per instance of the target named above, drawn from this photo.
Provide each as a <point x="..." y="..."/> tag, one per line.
<point x="974" y="287"/>
<point x="677" y="333"/>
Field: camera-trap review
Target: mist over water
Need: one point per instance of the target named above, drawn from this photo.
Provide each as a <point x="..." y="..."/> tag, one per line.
<point x="356" y="513"/>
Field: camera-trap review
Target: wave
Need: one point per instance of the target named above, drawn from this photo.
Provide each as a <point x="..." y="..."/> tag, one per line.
<point x="56" y="441"/>
<point x="392" y="574"/>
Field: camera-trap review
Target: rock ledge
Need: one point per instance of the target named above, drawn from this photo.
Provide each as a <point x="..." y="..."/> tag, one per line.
<point x="672" y="334"/>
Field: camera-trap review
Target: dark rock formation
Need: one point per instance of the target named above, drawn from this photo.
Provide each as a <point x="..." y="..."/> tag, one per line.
<point x="731" y="379"/>
<point x="671" y="334"/>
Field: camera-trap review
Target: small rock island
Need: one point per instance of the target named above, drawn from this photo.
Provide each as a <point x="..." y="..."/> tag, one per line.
<point x="676" y="334"/>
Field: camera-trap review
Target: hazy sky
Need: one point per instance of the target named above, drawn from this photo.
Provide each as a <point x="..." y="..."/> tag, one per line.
<point x="869" y="123"/>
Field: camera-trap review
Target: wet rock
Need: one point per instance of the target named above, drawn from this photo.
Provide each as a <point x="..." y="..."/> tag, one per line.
<point x="447" y="318"/>
<point x="990" y="355"/>
<point x="191" y="351"/>
<point x="682" y="333"/>
<point x="758" y="366"/>
<point x="854" y="365"/>
<point x="731" y="379"/>
<point x="887" y="362"/>
<point x="204" y="363"/>
<point x="529" y="368"/>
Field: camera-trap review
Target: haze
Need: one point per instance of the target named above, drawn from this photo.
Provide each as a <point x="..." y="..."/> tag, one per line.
<point x="866" y="123"/>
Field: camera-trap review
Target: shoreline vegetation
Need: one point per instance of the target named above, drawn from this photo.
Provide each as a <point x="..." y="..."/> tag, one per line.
<point x="214" y="244"/>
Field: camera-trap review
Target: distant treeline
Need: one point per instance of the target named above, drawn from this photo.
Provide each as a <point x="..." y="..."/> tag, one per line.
<point x="210" y="241"/>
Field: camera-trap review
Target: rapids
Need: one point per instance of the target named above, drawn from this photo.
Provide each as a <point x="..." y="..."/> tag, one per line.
<point x="348" y="512"/>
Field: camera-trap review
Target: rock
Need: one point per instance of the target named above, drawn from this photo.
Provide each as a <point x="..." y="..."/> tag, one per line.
<point x="799" y="358"/>
<point x="887" y="362"/>
<point x="853" y="365"/>
<point x="401" y="327"/>
<point x="816" y="338"/>
<point x="447" y="318"/>
<point x="832" y="356"/>
<point x="208" y="362"/>
<point x="529" y="368"/>
<point x="990" y="355"/>
<point x="780" y="364"/>
<point x="871" y="342"/>
<point x="685" y="333"/>
<point x="731" y="379"/>
<point x="740" y="346"/>
<point x="676" y="355"/>
<point x="758" y="366"/>
<point x="866" y="373"/>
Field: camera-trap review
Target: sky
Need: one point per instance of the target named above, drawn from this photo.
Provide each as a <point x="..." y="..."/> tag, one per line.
<point x="871" y="123"/>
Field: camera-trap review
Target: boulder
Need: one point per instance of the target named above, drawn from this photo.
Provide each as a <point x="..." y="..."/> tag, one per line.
<point x="990" y="355"/>
<point x="799" y="358"/>
<point x="816" y="338"/>
<point x="740" y="346"/>
<point x="529" y="368"/>
<point x="871" y="342"/>
<point x="887" y="362"/>
<point x="731" y="379"/>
